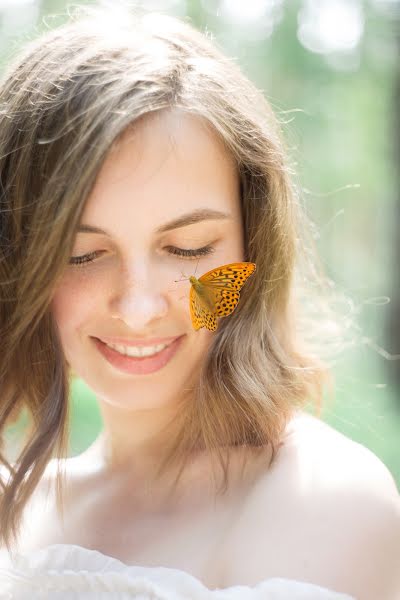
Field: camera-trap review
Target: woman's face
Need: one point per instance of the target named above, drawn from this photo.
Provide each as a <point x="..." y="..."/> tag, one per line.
<point x="166" y="189"/>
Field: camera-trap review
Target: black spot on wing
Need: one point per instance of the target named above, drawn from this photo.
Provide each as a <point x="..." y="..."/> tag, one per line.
<point x="226" y="302"/>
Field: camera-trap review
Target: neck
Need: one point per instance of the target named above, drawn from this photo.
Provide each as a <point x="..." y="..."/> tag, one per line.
<point x="134" y="445"/>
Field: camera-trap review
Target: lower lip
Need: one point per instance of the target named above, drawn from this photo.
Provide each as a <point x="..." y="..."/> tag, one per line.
<point x="139" y="366"/>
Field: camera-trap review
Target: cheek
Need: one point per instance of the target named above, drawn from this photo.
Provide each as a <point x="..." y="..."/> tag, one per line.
<point x="200" y="349"/>
<point x="72" y="302"/>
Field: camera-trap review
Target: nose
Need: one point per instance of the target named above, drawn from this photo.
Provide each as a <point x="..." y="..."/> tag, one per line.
<point x="138" y="298"/>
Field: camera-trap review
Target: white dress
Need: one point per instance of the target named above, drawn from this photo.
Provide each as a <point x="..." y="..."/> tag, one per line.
<point x="70" y="572"/>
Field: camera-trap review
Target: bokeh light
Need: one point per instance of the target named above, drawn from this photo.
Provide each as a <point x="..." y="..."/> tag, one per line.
<point x="326" y="26"/>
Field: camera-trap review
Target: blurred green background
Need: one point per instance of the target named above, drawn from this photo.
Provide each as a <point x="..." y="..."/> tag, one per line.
<point x="331" y="71"/>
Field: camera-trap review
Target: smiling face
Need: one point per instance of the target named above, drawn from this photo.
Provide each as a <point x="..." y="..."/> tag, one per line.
<point x="166" y="189"/>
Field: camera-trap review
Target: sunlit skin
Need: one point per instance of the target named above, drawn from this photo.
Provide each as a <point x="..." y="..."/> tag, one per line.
<point x="135" y="287"/>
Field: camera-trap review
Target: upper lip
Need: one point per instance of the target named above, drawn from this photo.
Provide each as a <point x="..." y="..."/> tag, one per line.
<point x="137" y="342"/>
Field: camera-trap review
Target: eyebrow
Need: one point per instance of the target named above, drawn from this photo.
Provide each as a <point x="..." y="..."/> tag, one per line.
<point x="203" y="214"/>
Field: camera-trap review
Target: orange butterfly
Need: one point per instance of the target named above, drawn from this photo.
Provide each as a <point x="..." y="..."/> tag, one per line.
<point x="216" y="293"/>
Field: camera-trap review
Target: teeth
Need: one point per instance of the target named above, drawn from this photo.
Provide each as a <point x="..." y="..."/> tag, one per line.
<point x="138" y="351"/>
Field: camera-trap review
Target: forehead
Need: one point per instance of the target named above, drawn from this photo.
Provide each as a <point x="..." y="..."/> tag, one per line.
<point x="167" y="164"/>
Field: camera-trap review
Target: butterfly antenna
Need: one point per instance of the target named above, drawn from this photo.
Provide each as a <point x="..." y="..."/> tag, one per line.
<point x="183" y="278"/>
<point x="198" y="260"/>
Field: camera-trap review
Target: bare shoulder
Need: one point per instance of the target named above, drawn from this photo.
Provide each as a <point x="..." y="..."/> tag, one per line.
<point x="327" y="511"/>
<point x="31" y="513"/>
<point x="41" y="518"/>
<point x="315" y="449"/>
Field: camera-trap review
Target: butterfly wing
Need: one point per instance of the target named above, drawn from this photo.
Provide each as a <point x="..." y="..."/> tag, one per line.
<point x="223" y="284"/>
<point x="232" y="276"/>
<point x="200" y="313"/>
<point x="225" y="301"/>
<point x="221" y="287"/>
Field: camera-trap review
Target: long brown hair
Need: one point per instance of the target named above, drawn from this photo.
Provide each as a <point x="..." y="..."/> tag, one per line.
<point x="66" y="99"/>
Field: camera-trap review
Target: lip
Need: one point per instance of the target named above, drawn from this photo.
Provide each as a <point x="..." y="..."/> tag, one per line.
<point x="138" y="341"/>
<point x="138" y="366"/>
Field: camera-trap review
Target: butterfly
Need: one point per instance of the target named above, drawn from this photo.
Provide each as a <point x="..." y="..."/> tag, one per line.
<point x="216" y="293"/>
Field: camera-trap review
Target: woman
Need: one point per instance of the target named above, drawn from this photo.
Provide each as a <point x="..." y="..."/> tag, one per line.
<point x="134" y="156"/>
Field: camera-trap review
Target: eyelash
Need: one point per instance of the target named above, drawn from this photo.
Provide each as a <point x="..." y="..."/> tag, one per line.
<point x="183" y="253"/>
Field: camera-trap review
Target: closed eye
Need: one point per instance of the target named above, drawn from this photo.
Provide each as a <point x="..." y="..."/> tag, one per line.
<point x="191" y="253"/>
<point x="182" y="252"/>
<point x="85" y="258"/>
